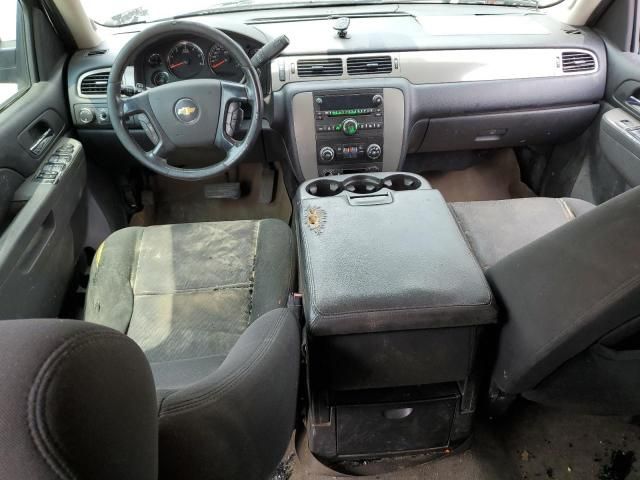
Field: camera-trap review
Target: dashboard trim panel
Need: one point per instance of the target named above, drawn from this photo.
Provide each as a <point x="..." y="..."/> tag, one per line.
<point x="447" y="66"/>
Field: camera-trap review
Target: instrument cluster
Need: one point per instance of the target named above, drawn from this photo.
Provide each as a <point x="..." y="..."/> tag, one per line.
<point x="183" y="59"/>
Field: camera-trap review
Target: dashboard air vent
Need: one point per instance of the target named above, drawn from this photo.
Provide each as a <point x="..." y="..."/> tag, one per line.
<point x="368" y="65"/>
<point x="96" y="52"/>
<point x="320" y="67"/>
<point x="95" y="84"/>
<point x="578" y="62"/>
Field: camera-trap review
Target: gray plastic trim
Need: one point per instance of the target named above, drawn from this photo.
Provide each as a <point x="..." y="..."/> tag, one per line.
<point x="447" y="66"/>
<point x="303" y="127"/>
<point x="393" y="134"/>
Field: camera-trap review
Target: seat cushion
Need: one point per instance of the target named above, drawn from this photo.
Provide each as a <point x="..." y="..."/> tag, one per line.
<point x="494" y="229"/>
<point x="185" y="293"/>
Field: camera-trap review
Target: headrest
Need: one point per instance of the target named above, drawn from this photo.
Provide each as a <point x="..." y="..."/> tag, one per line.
<point x="77" y="400"/>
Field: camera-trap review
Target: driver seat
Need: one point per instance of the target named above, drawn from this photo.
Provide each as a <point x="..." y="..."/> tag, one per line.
<point x="206" y="302"/>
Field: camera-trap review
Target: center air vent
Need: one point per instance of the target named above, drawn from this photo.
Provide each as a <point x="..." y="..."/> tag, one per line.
<point x="368" y="65"/>
<point x="94" y="84"/>
<point x="321" y="67"/>
<point x="578" y="62"/>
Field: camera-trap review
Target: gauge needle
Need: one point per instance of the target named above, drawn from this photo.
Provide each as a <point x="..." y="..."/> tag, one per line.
<point x="179" y="64"/>
<point x="221" y="62"/>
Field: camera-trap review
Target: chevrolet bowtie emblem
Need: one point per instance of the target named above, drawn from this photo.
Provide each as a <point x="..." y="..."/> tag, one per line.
<point x="186" y="110"/>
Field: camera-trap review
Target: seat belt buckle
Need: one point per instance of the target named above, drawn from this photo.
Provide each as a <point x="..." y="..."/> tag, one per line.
<point x="295" y="300"/>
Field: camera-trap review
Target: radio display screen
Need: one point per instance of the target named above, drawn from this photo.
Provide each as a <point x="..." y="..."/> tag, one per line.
<point x="346" y="102"/>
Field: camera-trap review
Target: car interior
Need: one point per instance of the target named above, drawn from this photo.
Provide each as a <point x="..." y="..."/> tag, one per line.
<point x="254" y="239"/>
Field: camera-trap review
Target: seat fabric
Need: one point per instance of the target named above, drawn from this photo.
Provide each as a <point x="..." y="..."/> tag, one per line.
<point x="494" y="229"/>
<point x="185" y="293"/>
<point x="570" y="300"/>
<point x="206" y="302"/>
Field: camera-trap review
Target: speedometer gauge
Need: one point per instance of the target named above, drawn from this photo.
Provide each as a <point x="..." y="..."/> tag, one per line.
<point x="222" y="64"/>
<point x="185" y="59"/>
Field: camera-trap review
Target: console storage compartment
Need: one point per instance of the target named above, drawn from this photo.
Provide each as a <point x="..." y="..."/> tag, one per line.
<point x="395" y="305"/>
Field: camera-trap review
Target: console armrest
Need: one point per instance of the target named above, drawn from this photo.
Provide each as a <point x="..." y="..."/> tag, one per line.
<point x="390" y="259"/>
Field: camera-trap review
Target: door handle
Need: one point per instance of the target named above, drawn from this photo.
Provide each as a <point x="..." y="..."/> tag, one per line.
<point x="41" y="143"/>
<point x="633" y="101"/>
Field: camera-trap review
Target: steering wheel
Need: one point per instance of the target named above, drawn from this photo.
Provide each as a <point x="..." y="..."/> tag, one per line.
<point x="188" y="113"/>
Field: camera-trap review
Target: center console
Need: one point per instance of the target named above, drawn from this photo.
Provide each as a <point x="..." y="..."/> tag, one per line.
<point x="349" y="129"/>
<point x="395" y="306"/>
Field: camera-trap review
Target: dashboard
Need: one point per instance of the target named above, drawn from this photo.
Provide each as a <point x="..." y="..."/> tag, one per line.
<point x="181" y="58"/>
<point x="407" y="80"/>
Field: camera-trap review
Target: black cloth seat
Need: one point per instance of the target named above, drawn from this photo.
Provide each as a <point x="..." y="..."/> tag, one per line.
<point x="206" y="302"/>
<point x="567" y="277"/>
<point x="494" y="229"/>
<point x="77" y="401"/>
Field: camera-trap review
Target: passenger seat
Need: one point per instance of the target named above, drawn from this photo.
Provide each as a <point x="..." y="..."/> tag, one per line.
<point x="567" y="278"/>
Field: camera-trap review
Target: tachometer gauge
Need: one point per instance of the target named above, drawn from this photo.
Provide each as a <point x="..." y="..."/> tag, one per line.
<point x="185" y="59"/>
<point x="222" y="64"/>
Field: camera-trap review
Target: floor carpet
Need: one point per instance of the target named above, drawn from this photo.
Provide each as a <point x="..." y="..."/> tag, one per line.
<point x="531" y="442"/>
<point x="496" y="177"/>
<point x="185" y="202"/>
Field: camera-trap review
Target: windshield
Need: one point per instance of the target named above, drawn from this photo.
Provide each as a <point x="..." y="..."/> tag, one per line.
<point x="113" y="13"/>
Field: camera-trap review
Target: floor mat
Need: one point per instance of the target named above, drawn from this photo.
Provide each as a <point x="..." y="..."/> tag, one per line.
<point x="185" y="202"/>
<point x="533" y="442"/>
<point x="548" y="443"/>
<point x="495" y="178"/>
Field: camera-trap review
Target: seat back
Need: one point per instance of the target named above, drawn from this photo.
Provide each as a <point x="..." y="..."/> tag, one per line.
<point x="78" y="401"/>
<point x="571" y="303"/>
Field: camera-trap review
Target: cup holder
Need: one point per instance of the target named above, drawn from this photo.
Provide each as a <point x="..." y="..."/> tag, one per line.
<point x="324" y="188"/>
<point x="400" y="182"/>
<point x="362" y="184"/>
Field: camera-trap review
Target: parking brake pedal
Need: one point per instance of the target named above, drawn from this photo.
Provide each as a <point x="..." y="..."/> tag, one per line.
<point x="230" y="191"/>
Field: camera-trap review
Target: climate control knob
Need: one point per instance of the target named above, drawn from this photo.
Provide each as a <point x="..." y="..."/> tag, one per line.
<point x="327" y="154"/>
<point x="350" y="126"/>
<point x="374" y="151"/>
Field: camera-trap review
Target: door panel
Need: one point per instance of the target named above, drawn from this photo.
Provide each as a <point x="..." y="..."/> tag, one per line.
<point x="41" y="183"/>
<point x="620" y="143"/>
<point x="619" y="133"/>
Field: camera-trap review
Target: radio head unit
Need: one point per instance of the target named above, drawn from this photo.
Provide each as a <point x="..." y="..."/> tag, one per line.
<point x="349" y="130"/>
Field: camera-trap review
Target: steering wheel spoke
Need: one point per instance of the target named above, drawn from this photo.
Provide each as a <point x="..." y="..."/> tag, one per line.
<point x="135" y="105"/>
<point x="235" y="91"/>
<point x="227" y="144"/>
